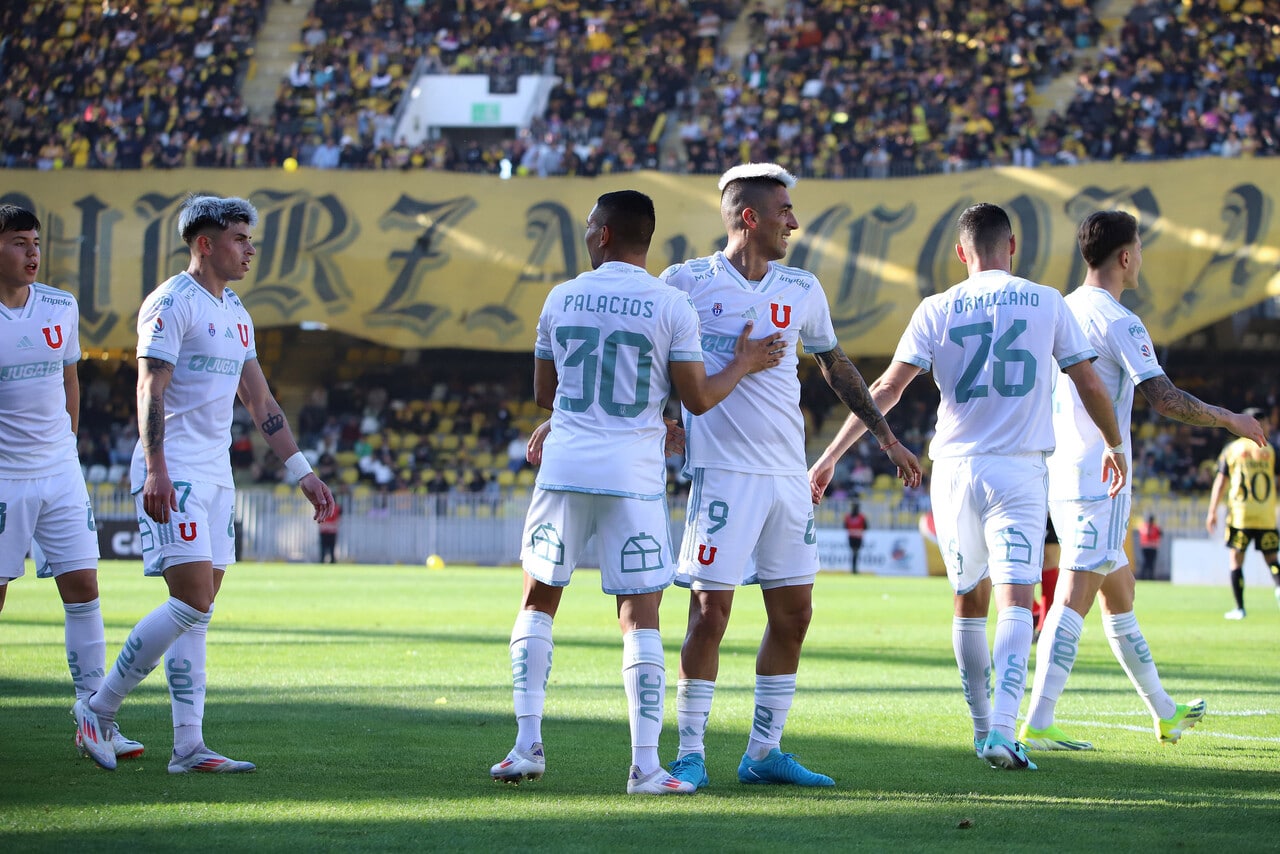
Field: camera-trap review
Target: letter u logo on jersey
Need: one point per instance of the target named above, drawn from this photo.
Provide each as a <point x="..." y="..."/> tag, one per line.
<point x="50" y="333"/>
<point x="186" y="535"/>
<point x="706" y="554"/>
<point x="781" y="322"/>
<point x="243" y="329"/>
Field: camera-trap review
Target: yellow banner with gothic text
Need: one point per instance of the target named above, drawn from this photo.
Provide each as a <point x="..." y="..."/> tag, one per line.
<point x="428" y="259"/>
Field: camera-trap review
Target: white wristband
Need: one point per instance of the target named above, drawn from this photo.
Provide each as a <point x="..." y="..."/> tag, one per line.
<point x="1118" y="449"/>
<point x="297" y="466"/>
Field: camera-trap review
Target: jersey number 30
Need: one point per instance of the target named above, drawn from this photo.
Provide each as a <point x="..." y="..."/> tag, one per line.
<point x="594" y="360"/>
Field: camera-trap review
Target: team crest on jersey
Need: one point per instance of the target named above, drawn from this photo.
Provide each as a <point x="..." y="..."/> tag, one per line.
<point x="243" y="328"/>
<point x="52" y="336"/>
<point x="780" y="314"/>
<point x="717" y="309"/>
<point x="213" y="331"/>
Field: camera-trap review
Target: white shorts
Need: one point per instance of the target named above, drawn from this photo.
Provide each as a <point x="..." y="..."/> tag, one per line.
<point x="748" y="529"/>
<point x="201" y="529"/>
<point x="53" y="517"/>
<point x="633" y="540"/>
<point x="1092" y="533"/>
<point x="989" y="514"/>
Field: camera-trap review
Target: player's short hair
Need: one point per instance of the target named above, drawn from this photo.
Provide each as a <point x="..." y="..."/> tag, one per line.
<point x="744" y="186"/>
<point x="630" y="217"/>
<point x="201" y="212"/>
<point x="14" y="218"/>
<point x="1103" y="233"/>
<point x="985" y="227"/>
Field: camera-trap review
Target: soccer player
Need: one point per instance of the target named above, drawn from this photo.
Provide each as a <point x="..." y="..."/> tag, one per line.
<point x="196" y="353"/>
<point x="749" y="516"/>
<point x="611" y="346"/>
<point x="991" y="341"/>
<point x="1247" y="474"/>
<point x="1093" y="526"/>
<point x="42" y="491"/>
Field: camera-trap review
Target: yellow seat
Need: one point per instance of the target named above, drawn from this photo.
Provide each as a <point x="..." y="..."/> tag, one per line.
<point x="883" y="482"/>
<point x="506" y="477"/>
<point x="349" y="475"/>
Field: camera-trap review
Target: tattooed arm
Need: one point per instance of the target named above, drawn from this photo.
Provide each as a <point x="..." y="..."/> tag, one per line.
<point x="256" y="396"/>
<point x="865" y="415"/>
<point x="158" y="495"/>
<point x="1172" y="402"/>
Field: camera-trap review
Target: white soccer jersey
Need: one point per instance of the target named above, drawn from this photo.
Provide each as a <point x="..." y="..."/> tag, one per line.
<point x="758" y="428"/>
<point x="207" y="340"/>
<point x="612" y="333"/>
<point x="1126" y="357"/>
<point x="37" y="342"/>
<point x="990" y="342"/>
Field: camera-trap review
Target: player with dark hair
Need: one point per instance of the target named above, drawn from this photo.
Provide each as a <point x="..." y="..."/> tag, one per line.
<point x="1247" y="479"/>
<point x="1092" y="523"/>
<point x="612" y="345"/>
<point x="43" y="498"/>
<point x="991" y="342"/>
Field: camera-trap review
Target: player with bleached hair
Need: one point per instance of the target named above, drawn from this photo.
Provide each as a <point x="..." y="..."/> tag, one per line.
<point x="991" y="342"/>
<point x="196" y="354"/>
<point x="1091" y="526"/>
<point x="750" y="518"/>
<point x="43" y="498"/>
<point x="612" y="345"/>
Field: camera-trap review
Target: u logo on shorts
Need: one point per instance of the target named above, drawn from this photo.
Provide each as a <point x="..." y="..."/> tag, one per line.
<point x="182" y="531"/>
<point x="706" y="555"/>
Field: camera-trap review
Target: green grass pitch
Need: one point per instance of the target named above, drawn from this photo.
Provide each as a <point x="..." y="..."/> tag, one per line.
<point x="374" y="700"/>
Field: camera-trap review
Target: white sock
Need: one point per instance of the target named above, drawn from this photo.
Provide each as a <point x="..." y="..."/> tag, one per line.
<point x="185" y="671"/>
<point x="774" y="695"/>
<point x="1131" y="650"/>
<point x="644" y="677"/>
<point x="1055" y="656"/>
<point x="973" y="657"/>
<point x="86" y="646"/>
<point x="1014" y="627"/>
<point x="531" y="650"/>
<point x="693" y="709"/>
<point x="153" y="634"/>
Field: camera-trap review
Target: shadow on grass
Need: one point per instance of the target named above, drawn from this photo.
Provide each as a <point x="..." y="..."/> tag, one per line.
<point x="369" y="776"/>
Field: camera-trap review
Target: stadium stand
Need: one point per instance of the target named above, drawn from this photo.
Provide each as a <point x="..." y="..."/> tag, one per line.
<point x="842" y="88"/>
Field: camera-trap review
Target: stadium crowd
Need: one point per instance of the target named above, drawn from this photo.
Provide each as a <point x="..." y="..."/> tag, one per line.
<point x="832" y="89"/>
<point x="459" y="436"/>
